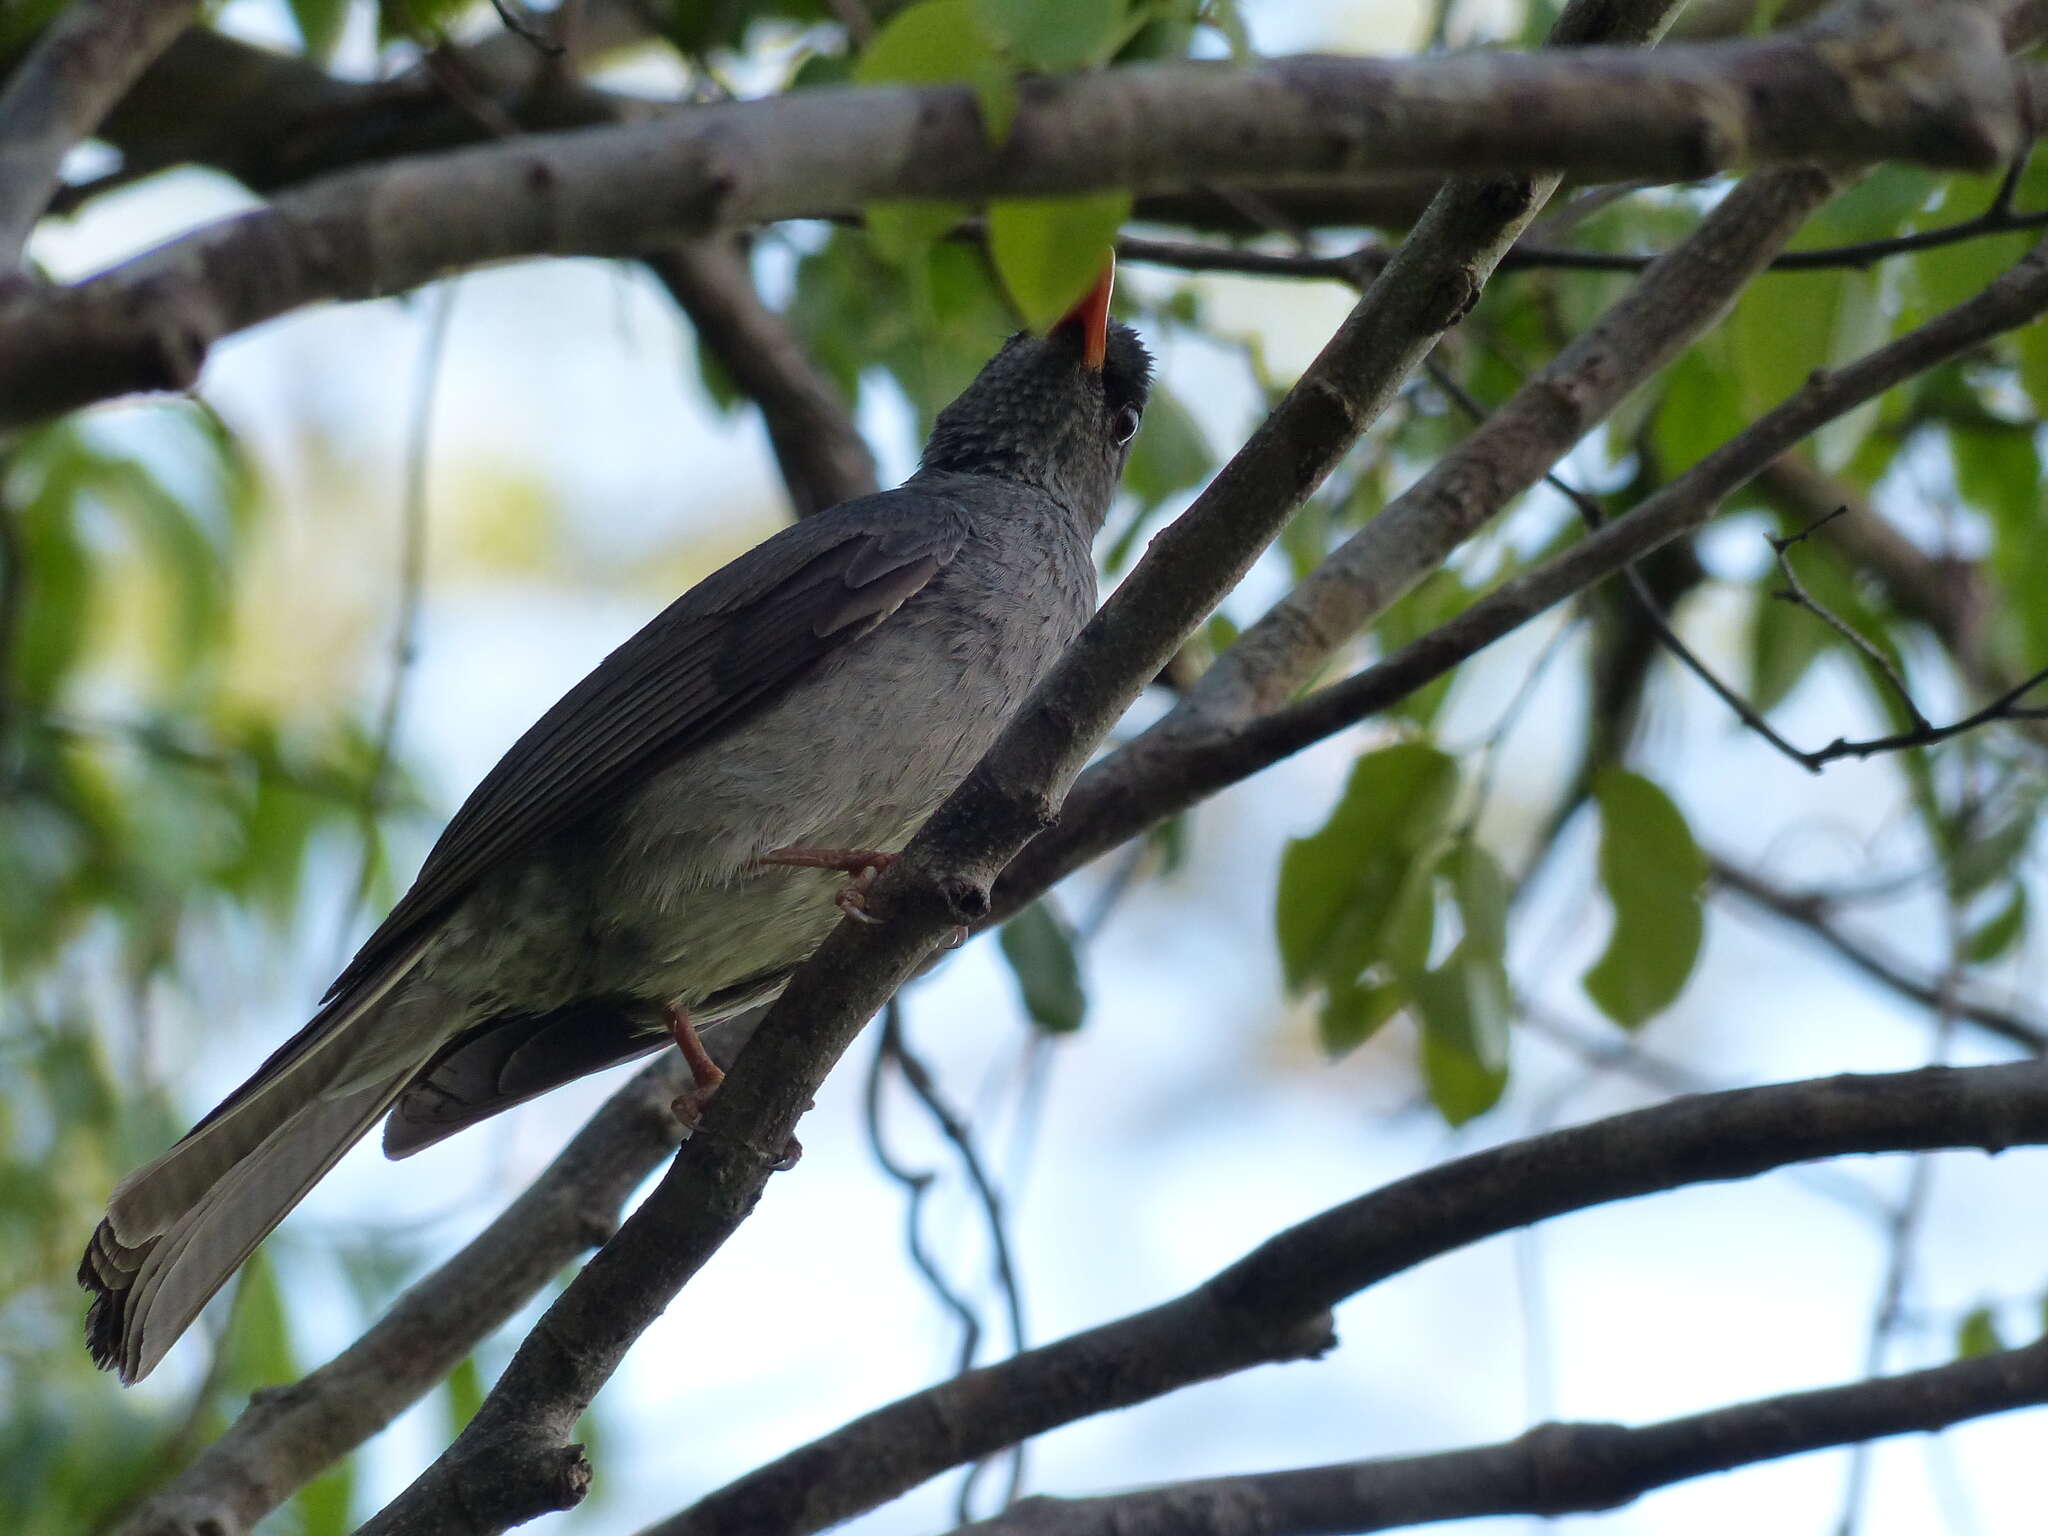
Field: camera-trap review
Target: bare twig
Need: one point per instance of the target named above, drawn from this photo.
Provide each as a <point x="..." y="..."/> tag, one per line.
<point x="1795" y="593"/>
<point x="1903" y="1228"/>
<point x="916" y="1184"/>
<point x="412" y="576"/>
<point x="954" y="1129"/>
<point x="523" y="29"/>
<point x="1554" y="1469"/>
<point x="1357" y="265"/>
<point x="823" y="459"/>
<point x="1804" y="912"/>
<point x="1294" y="1277"/>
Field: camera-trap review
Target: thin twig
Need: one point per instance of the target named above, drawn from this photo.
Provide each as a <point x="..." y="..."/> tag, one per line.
<point x="1358" y="265"/>
<point x="1902" y="1229"/>
<point x="1653" y="614"/>
<point x="524" y="30"/>
<point x="916" y="1185"/>
<point x="412" y="575"/>
<point x="1795" y="593"/>
<point x="1804" y="912"/>
<point x="957" y="1133"/>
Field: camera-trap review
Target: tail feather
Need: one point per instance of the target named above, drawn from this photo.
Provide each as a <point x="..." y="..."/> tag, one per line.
<point x="146" y="1294"/>
<point x="151" y="1199"/>
<point x="176" y="1229"/>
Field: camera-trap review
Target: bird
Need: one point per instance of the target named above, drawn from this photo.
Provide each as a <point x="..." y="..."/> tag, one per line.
<point x="675" y="836"/>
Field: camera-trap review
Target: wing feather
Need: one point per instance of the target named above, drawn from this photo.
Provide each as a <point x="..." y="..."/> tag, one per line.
<point x="718" y="653"/>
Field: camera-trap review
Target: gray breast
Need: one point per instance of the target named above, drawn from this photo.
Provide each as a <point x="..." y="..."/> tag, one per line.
<point x="664" y="900"/>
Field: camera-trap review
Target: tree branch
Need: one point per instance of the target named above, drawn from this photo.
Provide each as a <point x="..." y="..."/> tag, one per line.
<point x="1811" y="914"/>
<point x="823" y="458"/>
<point x="1294" y="1278"/>
<point x="1673" y="303"/>
<point x="513" y="1461"/>
<point x="1130" y="790"/>
<point x="69" y="79"/>
<point x="1554" y="1469"/>
<point x="1928" y="82"/>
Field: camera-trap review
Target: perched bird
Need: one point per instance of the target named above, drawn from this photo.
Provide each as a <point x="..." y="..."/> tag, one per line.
<point x="661" y="847"/>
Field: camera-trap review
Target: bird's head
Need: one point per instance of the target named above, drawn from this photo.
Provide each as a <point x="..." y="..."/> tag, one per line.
<point x="1057" y="411"/>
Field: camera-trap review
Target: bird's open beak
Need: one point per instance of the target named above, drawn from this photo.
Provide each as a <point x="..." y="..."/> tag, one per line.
<point x="1092" y="316"/>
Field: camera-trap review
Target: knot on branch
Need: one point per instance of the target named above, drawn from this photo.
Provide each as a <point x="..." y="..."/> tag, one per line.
<point x="1576" y="1467"/>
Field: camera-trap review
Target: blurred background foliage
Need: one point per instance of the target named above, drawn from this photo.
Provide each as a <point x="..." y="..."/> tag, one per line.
<point x="199" y="773"/>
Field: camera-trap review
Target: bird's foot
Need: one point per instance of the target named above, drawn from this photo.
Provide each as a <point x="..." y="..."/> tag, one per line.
<point x="864" y="865"/>
<point x="706" y="1075"/>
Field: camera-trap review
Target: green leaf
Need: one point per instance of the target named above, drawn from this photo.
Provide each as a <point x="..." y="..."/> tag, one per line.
<point x="1464" y="1009"/>
<point x="1999" y="932"/>
<point x="1048" y="974"/>
<point x="320" y="24"/>
<point x="904" y="233"/>
<point x="1784" y="642"/>
<point x="1054" y="36"/>
<point x="937" y="42"/>
<point x="259" y="1337"/>
<point x="324" y="1505"/>
<point x="1986" y="853"/>
<point x="1652" y="870"/>
<point x="1482" y="891"/>
<point x="1049" y="250"/>
<point x="1978" y="1334"/>
<point x="465" y="1394"/>
<point x="1338" y="884"/>
<point x="1352" y="1013"/>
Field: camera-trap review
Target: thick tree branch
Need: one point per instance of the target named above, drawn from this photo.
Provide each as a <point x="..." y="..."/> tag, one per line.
<point x="70" y="78"/>
<point x="513" y="1460"/>
<point x="1926" y="82"/>
<point x="1294" y="1278"/>
<point x="1129" y="791"/>
<point x="823" y="458"/>
<point x="1554" y="1469"/>
<point x="1672" y="304"/>
<point x="272" y="122"/>
<point x="289" y="1434"/>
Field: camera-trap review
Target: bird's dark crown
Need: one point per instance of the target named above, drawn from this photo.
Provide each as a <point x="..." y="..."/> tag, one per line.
<point x="1038" y="414"/>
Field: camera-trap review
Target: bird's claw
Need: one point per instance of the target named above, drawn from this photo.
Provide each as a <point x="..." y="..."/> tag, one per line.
<point x="863" y="866"/>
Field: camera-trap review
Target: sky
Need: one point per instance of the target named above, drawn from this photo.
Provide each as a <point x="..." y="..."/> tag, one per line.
<point x="579" y="478"/>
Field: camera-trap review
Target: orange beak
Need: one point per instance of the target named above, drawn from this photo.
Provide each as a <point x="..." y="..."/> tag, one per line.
<point x="1091" y="314"/>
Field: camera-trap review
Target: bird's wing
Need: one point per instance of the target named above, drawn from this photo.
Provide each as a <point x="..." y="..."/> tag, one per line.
<point x="718" y="653"/>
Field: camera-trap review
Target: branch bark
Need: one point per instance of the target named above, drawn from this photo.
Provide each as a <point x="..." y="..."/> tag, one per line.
<point x="1294" y="1278"/>
<point x="69" y="79"/>
<point x="1680" y="297"/>
<point x="1554" y="1469"/>
<point x="513" y="1461"/>
<point x="823" y="458"/>
<point x="1127" y="792"/>
<point x="1927" y="82"/>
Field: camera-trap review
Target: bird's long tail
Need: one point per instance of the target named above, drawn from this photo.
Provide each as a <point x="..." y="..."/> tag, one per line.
<point x="178" y="1228"/>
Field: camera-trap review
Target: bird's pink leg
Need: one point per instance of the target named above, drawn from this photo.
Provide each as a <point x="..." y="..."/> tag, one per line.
<point x="865" y="865"/>
<point x="706" y="1075"/>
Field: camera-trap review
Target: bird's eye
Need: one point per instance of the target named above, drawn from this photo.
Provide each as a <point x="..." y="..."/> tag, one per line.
<point x="1125" y="426"/>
